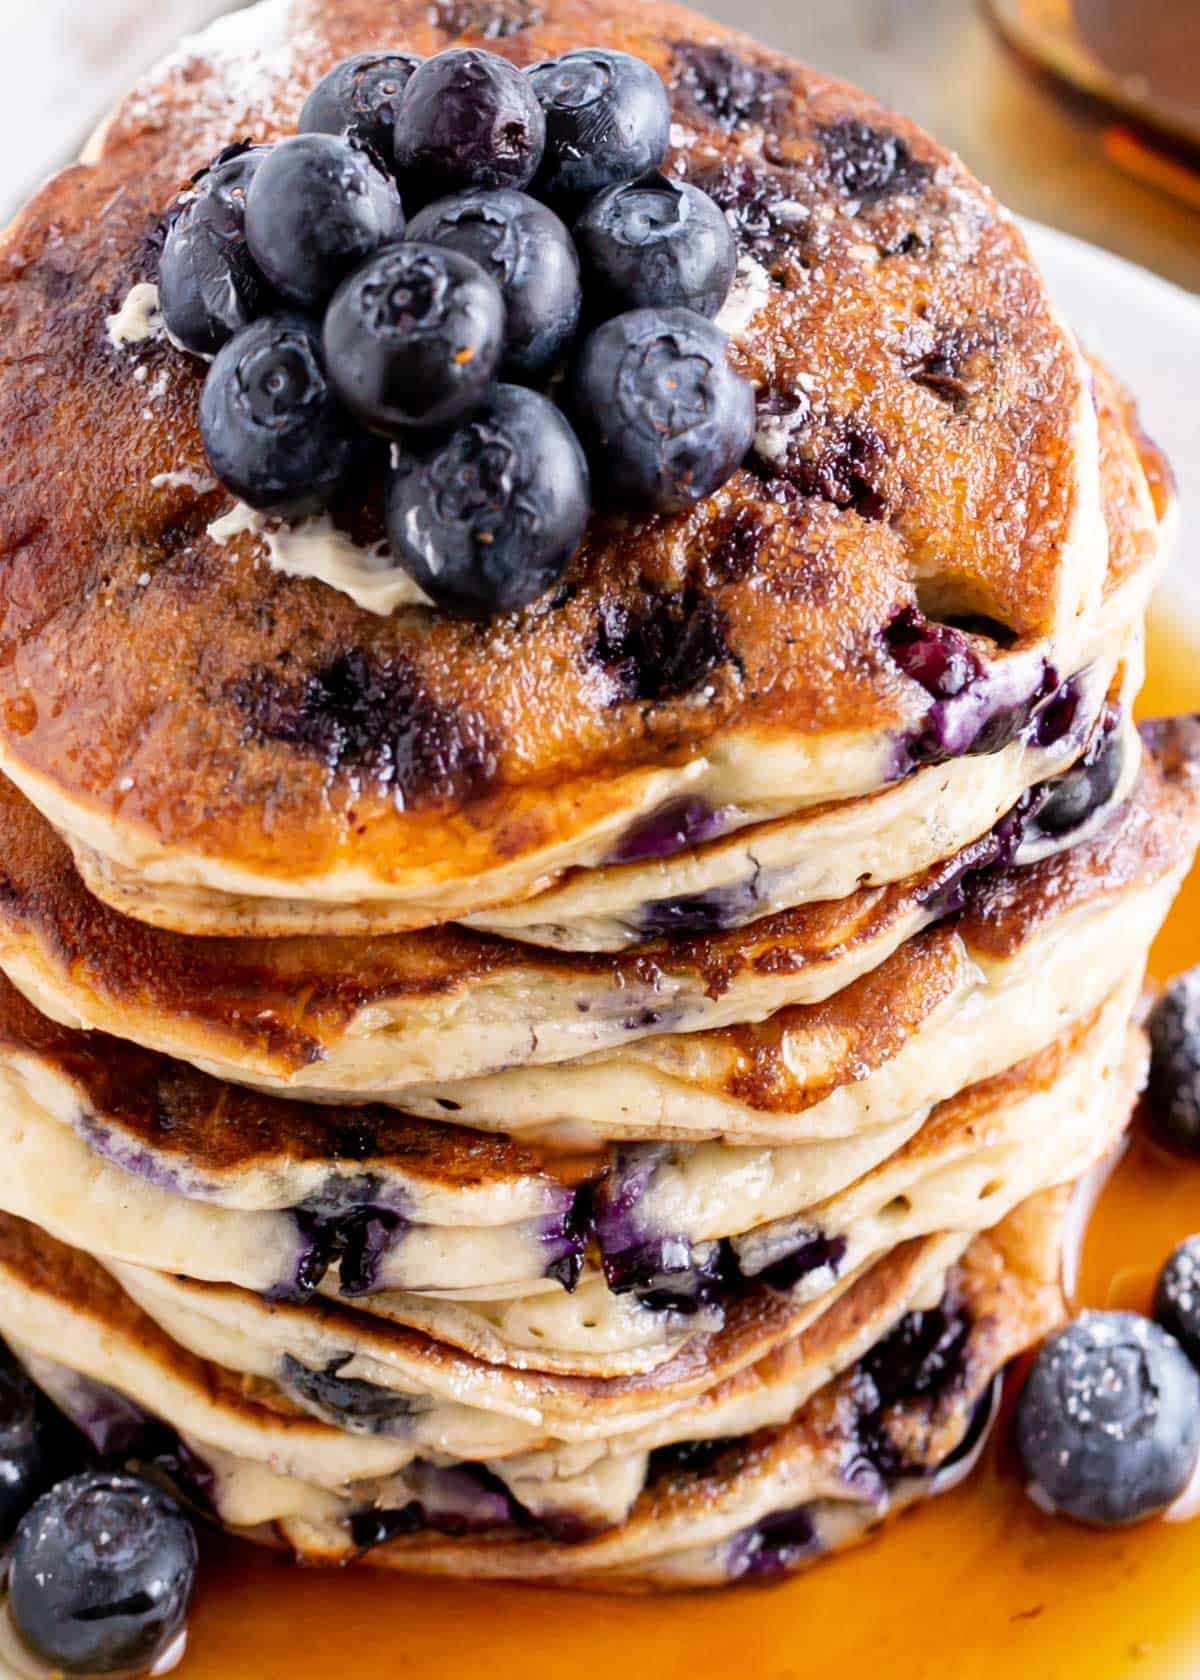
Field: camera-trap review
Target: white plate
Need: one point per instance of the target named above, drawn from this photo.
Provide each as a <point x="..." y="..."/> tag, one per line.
<point x="1148" y="331"/>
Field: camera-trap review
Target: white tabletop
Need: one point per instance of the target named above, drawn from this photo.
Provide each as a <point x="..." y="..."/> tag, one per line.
<point x="63" y="63"/>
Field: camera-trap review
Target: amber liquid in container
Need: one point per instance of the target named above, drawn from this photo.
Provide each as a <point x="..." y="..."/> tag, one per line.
<point x="1140" y="56"/>
<point x="975" y="1585"/>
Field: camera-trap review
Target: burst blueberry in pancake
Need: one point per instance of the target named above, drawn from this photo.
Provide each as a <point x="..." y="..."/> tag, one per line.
<point x="713" y="1384"/>
<point x="264" y="737"/>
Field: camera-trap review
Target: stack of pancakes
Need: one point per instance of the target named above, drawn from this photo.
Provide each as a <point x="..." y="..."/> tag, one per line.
<point x="595" y="1095"/>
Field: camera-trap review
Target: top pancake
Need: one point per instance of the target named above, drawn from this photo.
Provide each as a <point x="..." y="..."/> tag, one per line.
<point x="199" y="719"/>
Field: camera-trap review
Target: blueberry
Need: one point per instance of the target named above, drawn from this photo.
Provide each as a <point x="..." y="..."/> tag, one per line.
<point x="608" y="119"/>
<point x="669" y="1274"/>
<point x="531" y="257"/>
<point x="27" y="1441"/>
<point x="468" y="118"/>
<point x="1109" y="1420"/>
<point x="316" y="207"/>
<point x="1174" y="1087"/>
<point x="1177" y="1298"/>
<point x="656" y="243"/>
<point x="1087" y="786"/>
<point x="413" y="337"/>
<point x="352" y="1404"/>
<point x="274" y="432"/>
<point x="102" y="1573"/>
<point x="209" y="285"/>
<point x="360" y="97"/>
<point x="488" y="518"/>
<point x="686" y="821"/>
<point x="662" y="414"/>
<point x="938" y="656"/>
<point x="775" y="1544"/>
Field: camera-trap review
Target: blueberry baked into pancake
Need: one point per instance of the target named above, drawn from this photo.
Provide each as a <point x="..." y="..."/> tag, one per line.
<point x="576" y="869"/>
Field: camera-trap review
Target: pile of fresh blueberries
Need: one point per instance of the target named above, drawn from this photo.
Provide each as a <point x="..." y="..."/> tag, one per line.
<point x="444" y="242"/>
<point x="1109" y="1420"/>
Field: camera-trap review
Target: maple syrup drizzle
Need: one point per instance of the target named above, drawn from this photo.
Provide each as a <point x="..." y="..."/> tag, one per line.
<point x="970" y="1584"/>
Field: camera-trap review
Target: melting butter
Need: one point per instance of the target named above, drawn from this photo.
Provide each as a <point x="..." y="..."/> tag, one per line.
<point x="316" y="548"/>
<point x="138" y="319"/>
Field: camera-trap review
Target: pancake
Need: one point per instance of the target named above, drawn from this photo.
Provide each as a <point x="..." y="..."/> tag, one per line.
<point x="943" y="1001"/>
<point x="209" y="725"/>
<point x="711" y="1522"/>
<point x="122" y="1363"/>
<point x="971" y="1161"/>
<point x="1039" y="1124"/>
<point x="354" y="1022"/>
<point x="589" y="1483"/>
<point x="826" y="854"/>
<point x="58" y="1299"/>
<point x="375" y="1018"/>
<point x="976" y="1156"/>
<point x="759" y="868"/>
<point x="931" y="814"/>
<point x="268" y="1471"/>
<point x="363" y="1374"/>
<point x="950" y="1006"/>
<point x="827" y="851"/>
<point x="394" y="1202"/>
<point x="452" y="1395"/>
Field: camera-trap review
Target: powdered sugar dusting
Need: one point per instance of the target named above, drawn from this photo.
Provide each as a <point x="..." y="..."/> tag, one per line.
<point x="749" y="294"/>
<point x="256" y="54"/>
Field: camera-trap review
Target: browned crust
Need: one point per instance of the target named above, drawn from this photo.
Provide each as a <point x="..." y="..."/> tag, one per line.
<point x="36" y="1262"/>
<point x="136" y="656"/>
<point x="868" y="1022"/>
<point x="213" y="1128"/>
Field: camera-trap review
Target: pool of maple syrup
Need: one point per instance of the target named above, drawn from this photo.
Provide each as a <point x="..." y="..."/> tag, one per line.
<point x="976" y="1584"/>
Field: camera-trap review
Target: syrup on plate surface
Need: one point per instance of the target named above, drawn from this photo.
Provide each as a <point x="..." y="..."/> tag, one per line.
<point x="975" y="1584"/>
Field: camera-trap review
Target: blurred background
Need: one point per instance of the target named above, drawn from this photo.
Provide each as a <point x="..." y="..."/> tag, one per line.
<point x="1124" y="175"/>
